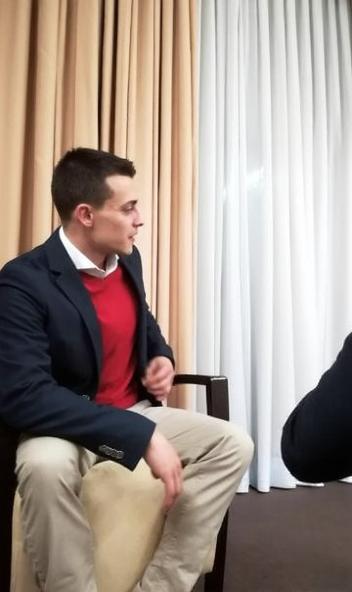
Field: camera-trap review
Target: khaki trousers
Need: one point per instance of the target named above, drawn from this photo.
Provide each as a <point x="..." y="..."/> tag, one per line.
<point x="214" y="453"/>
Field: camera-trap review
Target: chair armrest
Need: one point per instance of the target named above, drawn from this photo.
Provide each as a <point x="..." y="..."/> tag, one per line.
<point x="216" y="390"/>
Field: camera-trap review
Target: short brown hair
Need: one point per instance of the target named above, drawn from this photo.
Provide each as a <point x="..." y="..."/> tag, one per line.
<point x="80" y="177"/>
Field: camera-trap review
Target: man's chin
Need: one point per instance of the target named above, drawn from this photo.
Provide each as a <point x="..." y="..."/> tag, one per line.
<point x="127" y="250"/>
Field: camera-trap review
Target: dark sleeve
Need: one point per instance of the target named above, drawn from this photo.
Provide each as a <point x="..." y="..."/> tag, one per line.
<point x="32" y="401"/>
<point x="157" y="345"/>
<point x="317" y="437"/>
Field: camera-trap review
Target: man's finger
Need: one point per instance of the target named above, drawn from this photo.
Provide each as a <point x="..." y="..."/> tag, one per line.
<point x="170" y="492"/>
<point x="154" y="380"/>
<point x="159" y="374"/>
<point x="152" y="385"/>
<point x="160" y="387"/>
<point x="178" y="483"/>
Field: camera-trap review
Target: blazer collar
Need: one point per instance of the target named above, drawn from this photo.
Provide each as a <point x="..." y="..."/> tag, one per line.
<point x="127" y="263"/>
<point x="69" y="282"/>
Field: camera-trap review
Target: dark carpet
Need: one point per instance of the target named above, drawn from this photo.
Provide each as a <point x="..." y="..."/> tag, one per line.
<point x="291" y="541"/>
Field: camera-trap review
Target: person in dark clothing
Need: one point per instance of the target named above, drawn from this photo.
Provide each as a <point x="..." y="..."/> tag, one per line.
<point x="316" y="441"/>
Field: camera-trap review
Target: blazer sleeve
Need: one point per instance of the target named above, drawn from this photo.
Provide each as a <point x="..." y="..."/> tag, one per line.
<point x="32" y="401"/>
<point x="317" y="437"/>
<point x="157" y="345"/>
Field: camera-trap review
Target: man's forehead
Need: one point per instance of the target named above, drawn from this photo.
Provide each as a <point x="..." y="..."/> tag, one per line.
<point x="122" y="184"/>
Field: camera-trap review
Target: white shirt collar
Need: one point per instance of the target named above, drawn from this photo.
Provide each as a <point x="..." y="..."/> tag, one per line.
<point x="82" y="263"/>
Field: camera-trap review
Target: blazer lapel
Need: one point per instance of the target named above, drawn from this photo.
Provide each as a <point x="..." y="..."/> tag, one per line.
<point x="141" y="339"/>
<point x="134" y="275"/>
<point x="68" y="281"/>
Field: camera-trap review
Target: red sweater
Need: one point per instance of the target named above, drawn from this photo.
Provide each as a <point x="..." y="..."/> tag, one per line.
<point x="116" y="307"/>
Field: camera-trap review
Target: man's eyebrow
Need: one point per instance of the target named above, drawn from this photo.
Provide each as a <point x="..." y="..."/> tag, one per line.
<point x="130" y="203"/>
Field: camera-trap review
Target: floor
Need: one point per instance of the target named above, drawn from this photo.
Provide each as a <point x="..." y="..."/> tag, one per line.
<point x="296" y="540"/>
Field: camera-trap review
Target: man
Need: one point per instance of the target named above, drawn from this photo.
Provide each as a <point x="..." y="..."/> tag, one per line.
<point x="84" y="368"/>
<point x="317" y="437"/>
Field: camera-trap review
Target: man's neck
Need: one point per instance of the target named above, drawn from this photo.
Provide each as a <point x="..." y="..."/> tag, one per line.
<point x="81" y="244"/>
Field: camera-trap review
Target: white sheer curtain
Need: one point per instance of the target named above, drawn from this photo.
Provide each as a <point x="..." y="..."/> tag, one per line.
<point x="275" y="207"/>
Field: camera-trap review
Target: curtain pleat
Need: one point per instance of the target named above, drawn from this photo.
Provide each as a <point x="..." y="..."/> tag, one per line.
<point x="274" y="250"/>
<point x="182" y="183"/>
<point x="15" y="29"/>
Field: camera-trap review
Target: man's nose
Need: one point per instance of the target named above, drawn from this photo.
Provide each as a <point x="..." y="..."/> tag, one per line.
<point x="138" y="219"/>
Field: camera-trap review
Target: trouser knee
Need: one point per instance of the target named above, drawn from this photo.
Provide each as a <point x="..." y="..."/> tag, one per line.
<point x="47" y="474"/>
<point x="239" y="444"/>
<point x="246" y="449"/>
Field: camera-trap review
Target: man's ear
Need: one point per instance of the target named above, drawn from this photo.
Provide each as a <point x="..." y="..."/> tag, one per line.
<point x="83" y="214"/>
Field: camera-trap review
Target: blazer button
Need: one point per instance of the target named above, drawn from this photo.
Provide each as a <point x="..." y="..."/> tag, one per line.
<point x="112" y="452"/>
<point x="119" y="454"/>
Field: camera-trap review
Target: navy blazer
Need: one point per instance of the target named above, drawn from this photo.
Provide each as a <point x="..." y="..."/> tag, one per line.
<point x="51" y="355"/>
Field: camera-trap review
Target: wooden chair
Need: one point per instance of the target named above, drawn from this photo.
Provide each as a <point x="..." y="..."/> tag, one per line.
<point x="216" y="390"/>
<point x="217" y="399"/>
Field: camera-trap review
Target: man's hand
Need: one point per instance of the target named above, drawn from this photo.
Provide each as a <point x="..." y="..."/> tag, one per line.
<point x="165" y="464"/>
<point x="158" y="377"/>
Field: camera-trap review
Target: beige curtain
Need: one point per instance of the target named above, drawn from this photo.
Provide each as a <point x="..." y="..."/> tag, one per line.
<point x="121" y="76"/>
